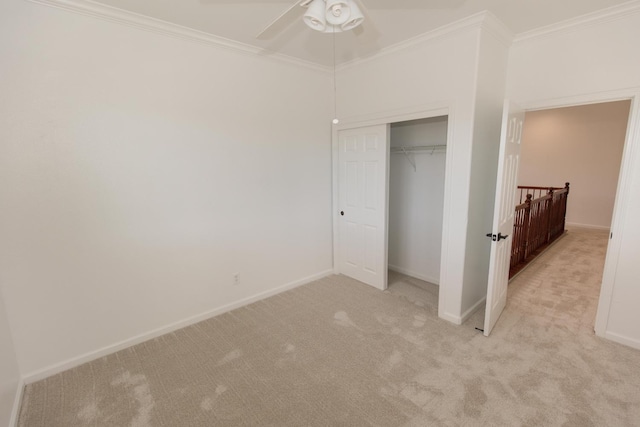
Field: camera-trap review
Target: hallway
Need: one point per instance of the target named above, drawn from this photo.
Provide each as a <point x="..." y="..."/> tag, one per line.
<point x="562" y="286"/>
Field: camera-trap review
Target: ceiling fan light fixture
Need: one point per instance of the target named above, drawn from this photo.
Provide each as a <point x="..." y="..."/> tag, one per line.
<point x="315" y="16"/>
<point x="355" y="18"/>
<point x="338" y="11"/>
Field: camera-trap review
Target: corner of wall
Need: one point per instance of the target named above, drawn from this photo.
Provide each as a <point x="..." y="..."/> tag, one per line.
<point x="17" y="404"/>
<point x="490" y="85"/>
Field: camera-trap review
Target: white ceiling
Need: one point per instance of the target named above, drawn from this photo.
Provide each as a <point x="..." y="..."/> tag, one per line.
<point x="394" y="21"/>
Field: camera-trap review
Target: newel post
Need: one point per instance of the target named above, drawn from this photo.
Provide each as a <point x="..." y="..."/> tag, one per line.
<point x="564" y="208"/>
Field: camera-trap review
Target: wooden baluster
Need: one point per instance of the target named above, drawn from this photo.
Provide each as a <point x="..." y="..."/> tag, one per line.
<point x="525" y="226"/>
<point x="549" y="216"/>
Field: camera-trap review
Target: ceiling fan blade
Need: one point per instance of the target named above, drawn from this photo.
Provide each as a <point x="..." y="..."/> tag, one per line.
<point x="284" y="20"/>
<point x="368" y="27"/>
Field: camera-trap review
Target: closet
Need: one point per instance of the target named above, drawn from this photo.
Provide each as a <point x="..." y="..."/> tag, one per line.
<point x="416" y="197"/>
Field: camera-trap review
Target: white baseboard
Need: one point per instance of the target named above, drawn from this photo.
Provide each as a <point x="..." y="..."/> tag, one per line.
<point x="93" y="355"/>
<point x="17" y="401"/>
<point x="473" y="309"/>
<point x="621" y="339"/>
<point x="460" y="319"/>
<point x="432" y="280"/>
<point x="589" y="226"/>
<point x="456" y="320"/>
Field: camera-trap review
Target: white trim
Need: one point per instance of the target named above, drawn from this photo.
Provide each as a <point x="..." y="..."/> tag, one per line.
<point x="387" y="173"/>
<point x="335" y="199"/>
<point x="467" y="314"/>
<point x="432" y="280"/>
<point x="158" y="26"/>
<point x="593" y="18"/>
<point x="582" y="99"/>
<point x="621" y="339"/>
<point x="424" y="111"/>
<point x="483" y="19"/>
<point x="630" y="157"/>
<point x="459" y="320"/>
<point x="93" y="355"/>
<point x="450" y="161"/>
<point x="498" y="29"/>
<point x="588" y="226"/>
<point x="17" y="402"/>
<point x="445" y="315"/>
<point x="474" y="21"/>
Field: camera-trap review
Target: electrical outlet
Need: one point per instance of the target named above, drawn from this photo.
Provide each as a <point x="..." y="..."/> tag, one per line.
<point x="236" y="278"/>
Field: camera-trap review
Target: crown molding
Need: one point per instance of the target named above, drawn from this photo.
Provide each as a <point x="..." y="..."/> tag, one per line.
<point x="491" y="24"/>
<point x="599" y="17"/>
<point x="158" y="26"/>
<point x="471" y="22"/>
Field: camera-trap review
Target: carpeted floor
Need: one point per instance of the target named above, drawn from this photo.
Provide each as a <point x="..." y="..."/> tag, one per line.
<point x="337" y="352"/>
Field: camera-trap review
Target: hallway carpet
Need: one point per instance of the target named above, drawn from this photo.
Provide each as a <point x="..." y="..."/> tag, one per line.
<point x="339" y="353"/>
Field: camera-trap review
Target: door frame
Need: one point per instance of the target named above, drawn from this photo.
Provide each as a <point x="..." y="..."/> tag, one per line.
<point x="630" y="156"/>
<point x="387" y="118"/>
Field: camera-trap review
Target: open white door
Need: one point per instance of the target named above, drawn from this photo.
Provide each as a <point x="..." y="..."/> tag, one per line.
<point x="363" y="163"/>
<point x="503" y="212"/>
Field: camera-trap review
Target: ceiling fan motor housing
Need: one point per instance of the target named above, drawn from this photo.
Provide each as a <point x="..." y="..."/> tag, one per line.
<point x="338" y="11"/>
<point x="332" y="16"/>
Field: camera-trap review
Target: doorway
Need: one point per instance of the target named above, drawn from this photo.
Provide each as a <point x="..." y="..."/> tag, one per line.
<point x="416" y="203"/>
<point x="582" y="145"/>
<point x="390" y="198"/>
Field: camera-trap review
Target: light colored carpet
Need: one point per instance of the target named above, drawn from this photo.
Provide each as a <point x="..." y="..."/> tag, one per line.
<point x="337" y="352"/>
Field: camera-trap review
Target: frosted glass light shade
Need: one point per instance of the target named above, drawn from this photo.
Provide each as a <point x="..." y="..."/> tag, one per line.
<point x="315" y="15"/>
<point x="355" y="18"/>
<point x="333" y="16"/>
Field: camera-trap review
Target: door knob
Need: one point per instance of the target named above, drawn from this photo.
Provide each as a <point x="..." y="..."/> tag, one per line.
<point x="342" y="213"/>
<point x="497" y="238"/>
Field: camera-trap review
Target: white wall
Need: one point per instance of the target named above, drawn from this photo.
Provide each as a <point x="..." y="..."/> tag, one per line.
<point x="9" y="373"/>
<point x="140" y="171"/>
<point x="490" y="84"/>
<point x="596" y="61"/>
<point x="416" y="199"/>
<point x="583" y="146"/>
<point x="433" y="73"/>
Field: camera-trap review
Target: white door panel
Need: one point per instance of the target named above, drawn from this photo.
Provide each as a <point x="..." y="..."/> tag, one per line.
<point x="362" y="196"/>
<point x="504" y="210"/>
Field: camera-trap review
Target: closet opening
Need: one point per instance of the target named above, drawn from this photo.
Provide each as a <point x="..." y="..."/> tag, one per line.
<point x="416" y="203"/>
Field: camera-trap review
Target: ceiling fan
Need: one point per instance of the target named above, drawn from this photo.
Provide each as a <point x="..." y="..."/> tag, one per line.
<point x="327" y="16"/>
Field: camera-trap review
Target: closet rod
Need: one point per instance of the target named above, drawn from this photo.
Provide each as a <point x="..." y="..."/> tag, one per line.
<point x="417" y="148"/>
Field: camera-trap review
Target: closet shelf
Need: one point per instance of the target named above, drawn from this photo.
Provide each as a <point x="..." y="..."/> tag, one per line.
<point x="413" y="149"/>
<point x="419" y="148"/>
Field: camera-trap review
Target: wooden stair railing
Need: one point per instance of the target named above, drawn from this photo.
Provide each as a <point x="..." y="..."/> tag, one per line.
<point x="537" y="223"/>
